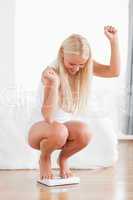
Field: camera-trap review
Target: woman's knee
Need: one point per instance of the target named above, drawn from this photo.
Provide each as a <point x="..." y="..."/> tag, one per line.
<point x="37" y="132"/>
<point x="84" y="136"/>
<point x="59" y="134"/>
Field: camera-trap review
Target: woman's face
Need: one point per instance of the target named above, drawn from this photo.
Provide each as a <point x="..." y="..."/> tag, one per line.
<point x="73" y="63"/>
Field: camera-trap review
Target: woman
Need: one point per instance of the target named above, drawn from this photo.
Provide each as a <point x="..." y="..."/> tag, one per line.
<point x="66" y="88"/>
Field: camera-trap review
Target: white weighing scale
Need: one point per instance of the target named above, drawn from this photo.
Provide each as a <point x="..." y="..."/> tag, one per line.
<point x="60" y="181"/>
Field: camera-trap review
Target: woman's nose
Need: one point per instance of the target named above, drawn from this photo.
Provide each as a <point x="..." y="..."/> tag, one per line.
<point x="76" y="67"/>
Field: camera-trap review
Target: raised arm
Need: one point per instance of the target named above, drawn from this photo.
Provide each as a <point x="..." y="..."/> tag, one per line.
<point x="113" y="69"/>
<point x="51" y="84"/>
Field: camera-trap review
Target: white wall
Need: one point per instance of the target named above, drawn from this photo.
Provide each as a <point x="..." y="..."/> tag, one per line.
<point x="6" y="44"/>
<point x="42" y="25"/>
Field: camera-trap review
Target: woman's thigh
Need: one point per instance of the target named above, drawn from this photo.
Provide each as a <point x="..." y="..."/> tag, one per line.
<point x="37" y="131"/>
<point x="43" y="130"/>
<point x="77" y="128"/>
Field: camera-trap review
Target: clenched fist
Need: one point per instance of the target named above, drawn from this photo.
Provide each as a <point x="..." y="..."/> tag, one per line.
<point x="111" y="33"/>
<point x="49" y="76"/>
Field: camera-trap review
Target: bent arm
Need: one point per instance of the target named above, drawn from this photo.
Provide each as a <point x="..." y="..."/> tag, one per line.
<point x="113" y="69"/>
<point x="50" y="101"/>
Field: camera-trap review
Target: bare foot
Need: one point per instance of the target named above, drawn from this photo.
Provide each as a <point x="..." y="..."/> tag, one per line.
<point x="45" y="167"/>
<point x="65" y="171"/>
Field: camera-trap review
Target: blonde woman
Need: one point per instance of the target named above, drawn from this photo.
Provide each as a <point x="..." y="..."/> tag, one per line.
<point x="66" y="87"/>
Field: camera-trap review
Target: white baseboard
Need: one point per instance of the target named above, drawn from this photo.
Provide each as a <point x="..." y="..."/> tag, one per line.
<point x="125" y="137"/>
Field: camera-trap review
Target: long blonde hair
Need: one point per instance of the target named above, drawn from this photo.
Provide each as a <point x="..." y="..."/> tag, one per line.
<point x="77" y="45"/>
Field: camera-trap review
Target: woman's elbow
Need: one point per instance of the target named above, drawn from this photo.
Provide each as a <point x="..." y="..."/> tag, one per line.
<point x="116" y="72"/>
<point x="47" y="116"/>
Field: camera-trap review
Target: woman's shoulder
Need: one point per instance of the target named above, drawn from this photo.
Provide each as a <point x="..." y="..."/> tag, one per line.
<point x="52" y="65"/>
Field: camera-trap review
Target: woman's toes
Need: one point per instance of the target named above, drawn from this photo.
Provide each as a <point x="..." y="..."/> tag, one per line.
<point x="63" y="175"/>
<point x="41" y="177"/>
<point x="50" y="176"/>
<point x="47" y="177"/>
<point x="67" y="174"/>
<point x="71" y="174"/>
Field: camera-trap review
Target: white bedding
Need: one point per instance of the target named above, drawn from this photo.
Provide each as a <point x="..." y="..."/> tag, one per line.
<point x="16" y="154"/>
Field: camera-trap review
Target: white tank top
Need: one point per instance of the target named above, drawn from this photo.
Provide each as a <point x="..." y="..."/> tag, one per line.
<point x="59" y="114"/>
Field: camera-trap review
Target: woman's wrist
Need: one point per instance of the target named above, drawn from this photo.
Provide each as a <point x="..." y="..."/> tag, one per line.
<point x="55" y="85"/>
<point x="114" y="41"/>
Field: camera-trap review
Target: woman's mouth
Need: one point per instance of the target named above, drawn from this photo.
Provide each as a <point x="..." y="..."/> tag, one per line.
<point x="73" y="71"/>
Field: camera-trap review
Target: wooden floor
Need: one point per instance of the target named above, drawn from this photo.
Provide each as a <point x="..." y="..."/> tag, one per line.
<point x="114" y="183"/>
